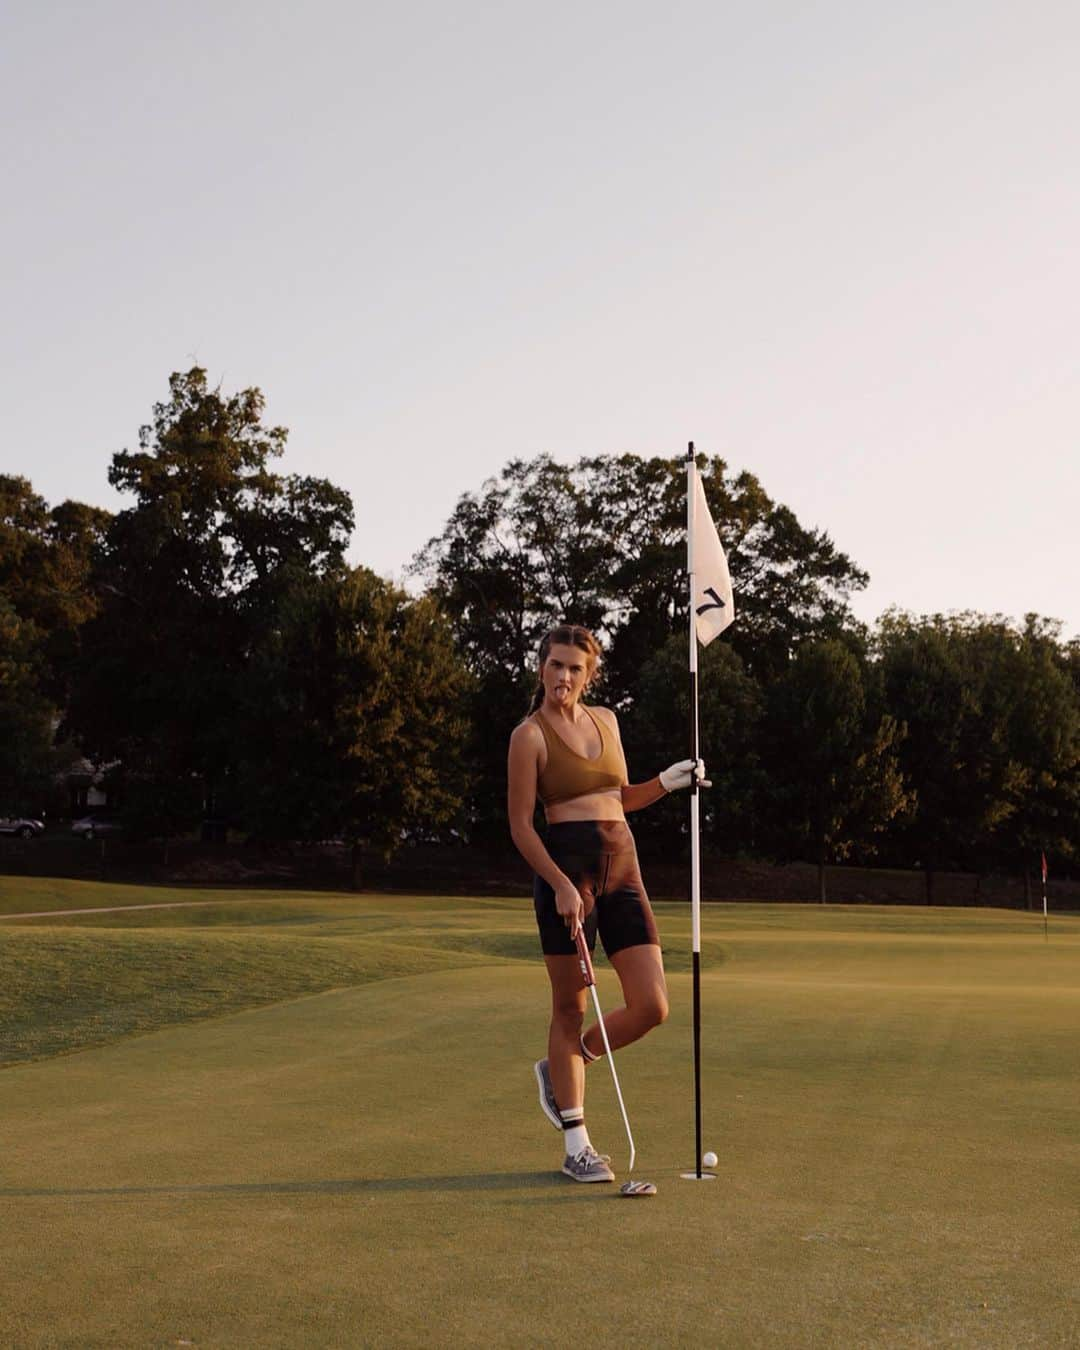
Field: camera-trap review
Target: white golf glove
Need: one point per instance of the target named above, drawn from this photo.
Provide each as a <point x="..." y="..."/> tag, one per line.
<point x="678" y="775"/>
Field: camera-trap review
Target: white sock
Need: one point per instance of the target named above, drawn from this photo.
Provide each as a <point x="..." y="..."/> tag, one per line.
<point x="574" y="1131"/>
<point x="586" y="1054"/>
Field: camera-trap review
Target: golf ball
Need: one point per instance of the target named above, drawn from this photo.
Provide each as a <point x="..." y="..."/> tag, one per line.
<point x="710" y="1160"/>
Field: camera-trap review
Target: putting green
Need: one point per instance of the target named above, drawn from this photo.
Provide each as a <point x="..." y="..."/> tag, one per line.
<point x="891" y="1092"/>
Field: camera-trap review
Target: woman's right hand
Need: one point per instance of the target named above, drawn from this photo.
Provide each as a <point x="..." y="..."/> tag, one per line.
<point x="570" y="905"/>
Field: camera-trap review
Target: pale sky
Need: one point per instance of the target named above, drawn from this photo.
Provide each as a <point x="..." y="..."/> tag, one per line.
<point x="836" y="243"/>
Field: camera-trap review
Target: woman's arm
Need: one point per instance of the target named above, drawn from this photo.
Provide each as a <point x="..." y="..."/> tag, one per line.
<point x="636" y="796"/>
<point x="675" y="776"/>
<point x="521" y="774"/>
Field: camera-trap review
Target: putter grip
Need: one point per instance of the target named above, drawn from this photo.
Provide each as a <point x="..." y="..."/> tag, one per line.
<point x="584" y="960"/>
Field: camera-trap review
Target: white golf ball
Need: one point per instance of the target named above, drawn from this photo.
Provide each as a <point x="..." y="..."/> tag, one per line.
<point x="710" y="1160"/>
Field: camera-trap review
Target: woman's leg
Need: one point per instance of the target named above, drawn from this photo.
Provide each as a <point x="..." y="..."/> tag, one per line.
<point x="566" y="1069"/>
<point x="641" y="973"/>
<point x="565" y="1062"/>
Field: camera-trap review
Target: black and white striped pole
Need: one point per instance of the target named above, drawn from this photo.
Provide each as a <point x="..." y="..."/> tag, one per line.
<point x="695" y="823"/>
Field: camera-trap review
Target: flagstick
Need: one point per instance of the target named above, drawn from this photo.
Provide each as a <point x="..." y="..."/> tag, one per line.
<point x="1042" y="859"/>
<point x="695" y="825"/>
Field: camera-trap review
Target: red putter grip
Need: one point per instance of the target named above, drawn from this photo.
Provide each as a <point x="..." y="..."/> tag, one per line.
<point x="584" y="959"/>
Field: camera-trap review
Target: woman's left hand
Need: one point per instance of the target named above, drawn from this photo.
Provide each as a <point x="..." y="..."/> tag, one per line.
<point x="681" y="773"/>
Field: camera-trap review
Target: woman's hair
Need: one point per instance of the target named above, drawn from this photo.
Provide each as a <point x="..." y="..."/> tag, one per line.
<point x="569" y="635"/>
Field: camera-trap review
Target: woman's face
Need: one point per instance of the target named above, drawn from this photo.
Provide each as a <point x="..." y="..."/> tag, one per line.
<point x="565" y="674"/>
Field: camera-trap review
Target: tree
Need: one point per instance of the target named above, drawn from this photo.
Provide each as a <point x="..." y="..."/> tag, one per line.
<point x="190" y="577"/>
<point x="26" y="717"/>
<point x="358" y="701"/>
<point x="602" y="542"/>
<point x="834" y="782"/>
<point x="958" y="684"/>
<point x="46" y="557"/>
<point x="655" y="730"/>
<point x="1041" y="717"/>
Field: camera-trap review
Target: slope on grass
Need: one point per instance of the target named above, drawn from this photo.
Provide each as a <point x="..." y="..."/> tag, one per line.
<point x="63" y="990"/>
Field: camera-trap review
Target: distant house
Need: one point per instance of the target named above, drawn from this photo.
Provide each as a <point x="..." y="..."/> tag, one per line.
<point x="88" y="787"/>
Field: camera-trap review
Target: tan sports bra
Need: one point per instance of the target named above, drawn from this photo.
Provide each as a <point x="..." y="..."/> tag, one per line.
<point x="568" y="774"/>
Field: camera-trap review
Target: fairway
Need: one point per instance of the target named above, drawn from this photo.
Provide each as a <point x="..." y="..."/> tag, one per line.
<point x="305" y="1120"/>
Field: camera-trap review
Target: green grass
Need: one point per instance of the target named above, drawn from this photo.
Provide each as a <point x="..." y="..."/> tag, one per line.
<point x="77" y="980"/>
<point x="311" y="1121"/>
<point x="29" y="894"/>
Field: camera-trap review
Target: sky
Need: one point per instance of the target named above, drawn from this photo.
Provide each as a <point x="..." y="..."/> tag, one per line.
<point x="834" y="243"/>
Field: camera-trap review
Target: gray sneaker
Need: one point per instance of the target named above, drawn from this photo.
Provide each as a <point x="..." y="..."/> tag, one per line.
<point x="588" y="1166"/>
<point x="548" y="1104"/>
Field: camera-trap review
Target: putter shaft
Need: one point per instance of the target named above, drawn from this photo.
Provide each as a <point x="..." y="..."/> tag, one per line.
<point x="590" y="979"/>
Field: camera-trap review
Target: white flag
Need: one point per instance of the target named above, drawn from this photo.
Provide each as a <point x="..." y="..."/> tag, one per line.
<point x="713" y="602"/>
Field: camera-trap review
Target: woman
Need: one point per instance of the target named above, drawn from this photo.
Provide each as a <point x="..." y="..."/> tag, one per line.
<point x="586" y="876"/>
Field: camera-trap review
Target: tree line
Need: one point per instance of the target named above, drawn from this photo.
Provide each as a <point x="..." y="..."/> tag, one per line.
<point x="210" y="646"/>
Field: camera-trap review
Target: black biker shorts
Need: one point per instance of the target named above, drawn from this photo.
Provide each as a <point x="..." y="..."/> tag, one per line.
<point x="600" y="859"/>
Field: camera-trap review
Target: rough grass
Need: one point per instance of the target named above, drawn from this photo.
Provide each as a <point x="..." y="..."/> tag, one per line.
<point x="892" y="1094"/>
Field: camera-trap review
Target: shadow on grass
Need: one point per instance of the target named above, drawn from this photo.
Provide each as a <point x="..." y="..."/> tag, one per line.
<point x="474" y="1181"/>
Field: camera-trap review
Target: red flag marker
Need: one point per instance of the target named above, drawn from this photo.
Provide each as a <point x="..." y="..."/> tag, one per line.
<point x="1046" y="934"/>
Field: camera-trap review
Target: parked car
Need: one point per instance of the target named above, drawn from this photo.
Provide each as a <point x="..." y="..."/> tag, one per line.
<point x="23" y="826"/>
<point x="93" y="827"/>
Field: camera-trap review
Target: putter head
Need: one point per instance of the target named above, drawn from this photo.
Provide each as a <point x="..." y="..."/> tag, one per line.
<point x="631" y="1190"/>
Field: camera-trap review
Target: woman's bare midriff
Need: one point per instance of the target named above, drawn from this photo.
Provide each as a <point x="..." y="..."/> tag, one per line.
<point x="606" y="805"/>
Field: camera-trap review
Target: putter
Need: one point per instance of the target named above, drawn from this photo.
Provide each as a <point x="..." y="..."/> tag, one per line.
<point x="630" y="1189"/>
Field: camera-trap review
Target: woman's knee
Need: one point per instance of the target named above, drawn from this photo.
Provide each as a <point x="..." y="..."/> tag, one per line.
<point x="651" y="1009"/>
<point x="568" y="1018"/>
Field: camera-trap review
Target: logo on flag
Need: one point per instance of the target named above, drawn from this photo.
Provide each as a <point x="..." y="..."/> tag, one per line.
<point x="714" y="603"/>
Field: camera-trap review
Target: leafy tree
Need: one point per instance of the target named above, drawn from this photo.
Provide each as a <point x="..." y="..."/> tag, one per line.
<point x="928" y="688"/>
<point x="358" y="701"/>
<point x="46" y="556"/>
<point x="190" y="577"/>
<point x="1068" y="660"/>
<point x="986" y="735"/>
<point x="1040" y="715"/>
<point x="602" y="543"/>
<point x="656" y="729"/>
<point x="208" y="512"/>
<point x="834" y="782"/>
<point x="26" y="717"/>
<point x="24" y="518"/>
